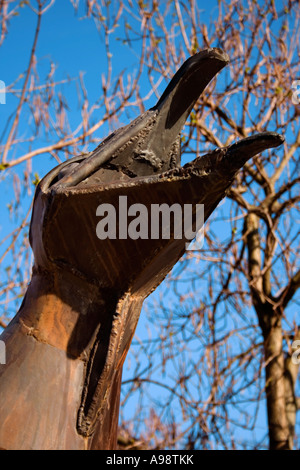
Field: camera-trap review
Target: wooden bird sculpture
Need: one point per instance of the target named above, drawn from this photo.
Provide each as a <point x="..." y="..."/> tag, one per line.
<point x="65" y="348"/>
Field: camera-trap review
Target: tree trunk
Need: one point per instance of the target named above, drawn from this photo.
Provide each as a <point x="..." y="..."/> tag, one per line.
<point x="270" y="322"/>
<point x="275" y="389"/>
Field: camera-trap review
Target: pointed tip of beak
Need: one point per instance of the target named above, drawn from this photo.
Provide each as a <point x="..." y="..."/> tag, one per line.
<point x="188" y="84"/>
<point x="206" y="63"/>
<point x="214" y="53"/>
<point x="240" y="152"/>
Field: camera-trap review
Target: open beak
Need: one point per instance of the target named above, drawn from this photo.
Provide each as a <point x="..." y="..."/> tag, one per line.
<point x="142" y="162"/>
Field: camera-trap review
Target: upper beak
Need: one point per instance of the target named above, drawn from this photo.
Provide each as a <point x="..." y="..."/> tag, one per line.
<point x="181" y="95"/>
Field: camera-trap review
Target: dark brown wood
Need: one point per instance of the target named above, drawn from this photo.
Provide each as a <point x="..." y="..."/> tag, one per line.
<point x="60" y="388"/>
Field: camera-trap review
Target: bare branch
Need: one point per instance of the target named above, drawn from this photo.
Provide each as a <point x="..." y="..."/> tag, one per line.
<point x="289" y="291"/>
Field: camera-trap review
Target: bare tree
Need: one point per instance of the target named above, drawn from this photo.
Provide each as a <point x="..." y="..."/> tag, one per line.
<point x="227" y="317"/>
